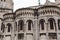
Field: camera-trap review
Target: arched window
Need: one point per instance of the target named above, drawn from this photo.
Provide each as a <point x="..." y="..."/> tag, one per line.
<point x="4" y="0"/>
<point x="52" y="23"/>
<point x="2" y="27"/>
<point x="20" y="25"/>
<point x="30" y="23"/>
<point x="9" y="27"/>
<point x="59" y="24"/>
<point x="15" y="26"/>
<point x="41" y="22"/>
<point x="1" y="0"/>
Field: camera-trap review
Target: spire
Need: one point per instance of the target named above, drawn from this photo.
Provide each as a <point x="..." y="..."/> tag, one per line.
<point x="57" y="2"/>
<point x="47" y="1"/>
<point x="6" y="4"/>
<point x="39" y="2"/>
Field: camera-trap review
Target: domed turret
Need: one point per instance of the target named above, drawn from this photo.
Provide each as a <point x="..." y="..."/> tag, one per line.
<point x="8" y="17"/>
<point x="49" y="3"/>
<point x="57" y="2"/>
<point x="6" y="4"/>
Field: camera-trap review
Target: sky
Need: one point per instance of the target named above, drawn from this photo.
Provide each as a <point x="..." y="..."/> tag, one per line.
<point x="26" y="3"/>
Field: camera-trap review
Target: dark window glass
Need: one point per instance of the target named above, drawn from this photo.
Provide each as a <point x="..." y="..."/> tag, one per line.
<point x="9" y="27"/>
<point x="42" y="24"/>
<point x="1" y="0"/>
<point x="52" y="36"/>
<point x="4" y="0"/>
<point x="21" y="24"/>
<point x="51" y="24"/>
<point x="20" y="36"/>
<point x="29" y="24"/>
<point x="2" y="27"/>
<point x="59" y="24"/>
<point x="15" y="26"/>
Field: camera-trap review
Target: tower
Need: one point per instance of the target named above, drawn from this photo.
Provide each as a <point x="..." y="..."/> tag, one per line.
<point x="6" y="8"/>
<point x="39" y="2"/>
<point x="49" y="3"/>
<point x="57" y="2"/>
<point x="6" y="4"/>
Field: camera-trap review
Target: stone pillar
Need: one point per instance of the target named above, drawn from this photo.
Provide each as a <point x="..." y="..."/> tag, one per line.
<point x="4" y="37"/>
<point x="27" y="27"/>
<point x="36" y="29"/>
<point x="56" y="25"/>
<point x="0" y="25"/>
<point x="13" y="31"/>
<point x="47" y="31"/>
<point x="5" y="31"/>
<point x="25" y="30"/>
<point x="57" y="28"/>
<point x="17" y="32"/>
<point x="46" y="23"/>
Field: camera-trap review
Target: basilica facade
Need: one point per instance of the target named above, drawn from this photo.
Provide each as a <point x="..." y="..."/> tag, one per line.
<point x="31" y="23"/>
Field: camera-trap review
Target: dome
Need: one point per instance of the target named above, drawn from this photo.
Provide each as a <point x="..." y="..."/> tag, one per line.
<point x="8" y="16"/>
<point x="24" y="12"/>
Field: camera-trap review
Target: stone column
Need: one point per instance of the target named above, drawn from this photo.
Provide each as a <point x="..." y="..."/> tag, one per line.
<point x="46" y="23"/>
<point x="5" y="31"/>
<point x="47" y="31"/>
<point x="36" y="29"/>
<point x="25" y="30"/>
<point x="13" y="35"/>
<point x="27" y="27"/>
<point x="17" y="32"/>
<point x="57" y="28"/>
<point x="0" y="25"/>
<point x="56" y="25"/>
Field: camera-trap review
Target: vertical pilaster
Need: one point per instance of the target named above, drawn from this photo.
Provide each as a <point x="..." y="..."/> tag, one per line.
<point x="5" y="31"/>
<point x="17" y="32"/>
<point x="47" y="31"/>
<point x="13" y="35"/>
<point x="0" y="25"/>
<point x="25" y="30"/>
<point x="36" y="33"/>
<point x="46" y="23"/>
<point x="57" y="28"/>
<point x="36" y="28"/>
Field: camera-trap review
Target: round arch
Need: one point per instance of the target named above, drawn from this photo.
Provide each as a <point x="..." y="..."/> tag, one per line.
<point x="30" y="24"/>
<point x="9" y="25"/>
<point x="51" y="22"/>
<point x="20" y="25"/>
<point x="41" y="24"/>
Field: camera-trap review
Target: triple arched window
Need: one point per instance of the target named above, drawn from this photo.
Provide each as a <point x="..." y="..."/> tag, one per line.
<point x="9" y="26"/>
